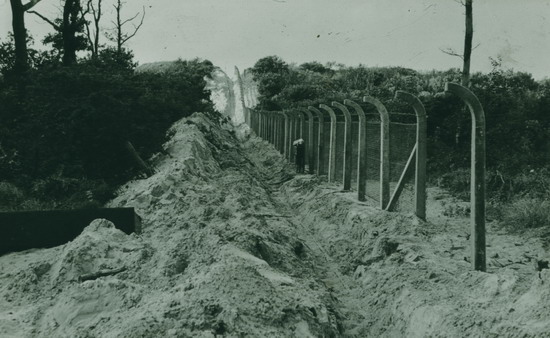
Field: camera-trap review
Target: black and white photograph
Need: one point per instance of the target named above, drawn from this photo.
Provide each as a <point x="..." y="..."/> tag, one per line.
<point x="274" y="168"/>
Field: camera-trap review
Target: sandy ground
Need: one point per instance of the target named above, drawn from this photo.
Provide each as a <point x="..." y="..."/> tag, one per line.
<point x="234" y="244"/>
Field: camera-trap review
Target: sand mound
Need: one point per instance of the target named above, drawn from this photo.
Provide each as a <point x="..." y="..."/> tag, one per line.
<point x="234" y="244"/>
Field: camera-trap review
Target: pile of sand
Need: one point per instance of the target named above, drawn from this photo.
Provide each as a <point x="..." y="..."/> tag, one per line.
<point x="234" y="244"/>
<point x="210" y="259"/>
<point x="402" y="277"/>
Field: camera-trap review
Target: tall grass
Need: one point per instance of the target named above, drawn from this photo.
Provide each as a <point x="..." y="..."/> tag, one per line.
<point x="518" y="201"/>
<point x="526" y="213"/>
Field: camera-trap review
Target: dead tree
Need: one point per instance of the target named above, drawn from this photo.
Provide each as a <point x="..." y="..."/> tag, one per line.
<point x="468" y="36"/>
<point x="92" y="27"/>
<point x="120" y="37"/>
<point x="466" y="57"/>
<point x="18" y="10"/>
<point x="467" y="43"/>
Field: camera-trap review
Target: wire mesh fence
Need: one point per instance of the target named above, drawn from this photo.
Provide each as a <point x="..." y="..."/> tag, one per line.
<point x="373" y="160"/>
<point x="402" y="140"/>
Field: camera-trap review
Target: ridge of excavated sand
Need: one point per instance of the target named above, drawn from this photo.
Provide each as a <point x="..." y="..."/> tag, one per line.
<point x="235" y="244"/>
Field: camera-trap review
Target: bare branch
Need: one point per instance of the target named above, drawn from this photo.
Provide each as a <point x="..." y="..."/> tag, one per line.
<point x="130" y="19"/>
<point x="97" y="13"/>
<point x="30" y="4"/>
<point x="92" y="26"/>
<point x="87" y="33"/>
<point x="85" y="12"/>
<point x="54" y="25"/>
<point x="136" y="28"/>
<point x="118" y="35"/>
<point x="450" y="51"/>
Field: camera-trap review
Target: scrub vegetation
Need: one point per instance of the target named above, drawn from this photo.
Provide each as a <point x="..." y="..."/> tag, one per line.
<point x="517" y="114"/>
<point x="65" y="131"/>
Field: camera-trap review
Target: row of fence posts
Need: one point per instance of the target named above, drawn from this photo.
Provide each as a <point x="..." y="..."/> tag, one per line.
<point x="281" y="128"/>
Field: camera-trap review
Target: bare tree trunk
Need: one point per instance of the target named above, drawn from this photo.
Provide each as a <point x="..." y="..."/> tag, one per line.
<point x="96" y="40"/>
<point x="71" y="24"/>
<point x="71" y="10"/>
<point x="118" y="27"/>
<point x="20" y="33"/>
<point x="97" y="17"/>
<point x="468" y="43"/>
<point x="19" y="36"/>
<point x="465" y="80"/>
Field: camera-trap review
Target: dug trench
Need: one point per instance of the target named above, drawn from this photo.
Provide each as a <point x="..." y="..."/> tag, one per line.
<point x="235" y="244"/>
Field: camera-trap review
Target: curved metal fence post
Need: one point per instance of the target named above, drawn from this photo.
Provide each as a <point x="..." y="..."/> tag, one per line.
<point x="348" y="139"/>
<point x="361" y="150"/>
<point x="332" y="145"/>
<point x="295" y="136"/>
<point x="277" y="120"/>
<point x="275" y="129"/>
<point x="295" y="126"/>
<point x="320" y="140"/>
<point x="301" y="129"/>
<point x="272" y="128"/>
<point x="253" y="121"/>
<point x="282" y="126"/>
<point x="283" y="131"/>
<point x="310" y="150"/>
<point x="304" y="127"/>
<point x="260" y="123"/>
<point x="286" y="134"/>
<point x="256" y="122"/>
<point x="291" y="127"/>
<point x="301" y="124"/>
<point x="477" y="187"/>
<point x="266" y="127"/>
<point x="421" y="154"/>
<point x="384" y="150"/>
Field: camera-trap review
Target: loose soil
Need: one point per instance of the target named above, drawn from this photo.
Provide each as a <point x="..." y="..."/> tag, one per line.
<point x="235" y="244"/>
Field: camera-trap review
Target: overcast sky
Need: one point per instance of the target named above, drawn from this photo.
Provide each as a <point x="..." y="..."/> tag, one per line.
<point x="408" y="33"/>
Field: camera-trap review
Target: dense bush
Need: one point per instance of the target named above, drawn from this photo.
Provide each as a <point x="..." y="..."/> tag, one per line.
<point x="10" y="196"/>
<point x="63" y="130"/>
<point x="517" y="110"/>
